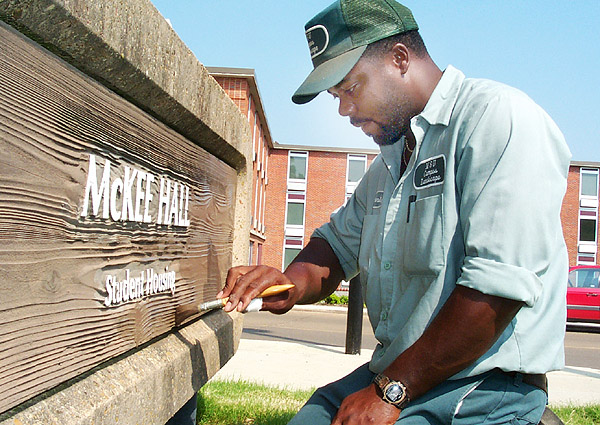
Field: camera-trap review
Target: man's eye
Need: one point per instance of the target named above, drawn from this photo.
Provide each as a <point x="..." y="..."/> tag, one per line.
<point x="350" y="89"/>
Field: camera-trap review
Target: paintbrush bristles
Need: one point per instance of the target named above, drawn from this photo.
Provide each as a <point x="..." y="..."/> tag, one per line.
<point x="211" y="305"/>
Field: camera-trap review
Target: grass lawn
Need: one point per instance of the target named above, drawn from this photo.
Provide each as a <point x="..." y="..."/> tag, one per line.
<point x="244" y="403"/>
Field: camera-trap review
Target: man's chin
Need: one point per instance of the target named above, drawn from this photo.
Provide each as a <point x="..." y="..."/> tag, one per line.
<point x="385" y="140"/>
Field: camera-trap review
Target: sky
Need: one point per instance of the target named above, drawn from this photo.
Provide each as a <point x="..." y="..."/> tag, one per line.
<point x="550" y="49"/>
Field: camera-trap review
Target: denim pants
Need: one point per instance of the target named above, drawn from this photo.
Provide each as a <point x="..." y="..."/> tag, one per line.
<point x="491" y="398"/>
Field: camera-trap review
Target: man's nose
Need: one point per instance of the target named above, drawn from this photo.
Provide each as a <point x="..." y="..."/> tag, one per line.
<point x="346" y="108"/>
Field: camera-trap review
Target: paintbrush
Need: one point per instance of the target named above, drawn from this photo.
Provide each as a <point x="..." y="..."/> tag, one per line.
<point x="184" y="311"/>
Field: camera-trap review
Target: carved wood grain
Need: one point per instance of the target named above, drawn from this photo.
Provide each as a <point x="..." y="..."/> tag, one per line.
<point x="53" y="323"/>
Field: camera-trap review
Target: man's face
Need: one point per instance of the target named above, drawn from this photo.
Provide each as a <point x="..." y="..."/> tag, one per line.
<point x="370" y="95"/>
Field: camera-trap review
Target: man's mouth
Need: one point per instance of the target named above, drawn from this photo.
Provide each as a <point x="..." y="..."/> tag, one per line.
<point x="358" y="123"/>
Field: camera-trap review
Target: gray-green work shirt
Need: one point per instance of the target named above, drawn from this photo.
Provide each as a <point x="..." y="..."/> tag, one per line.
<point x="479" y="205"/>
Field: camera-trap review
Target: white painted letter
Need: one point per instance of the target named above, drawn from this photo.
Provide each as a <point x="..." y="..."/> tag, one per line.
<point x="139" y="196"/>
<point x="97" y="193"/>
<point x="108" y="300"/>
<point x="186" y="220"/>
<point x="117" y="187"/>
<point x="149" y="180"/>
<point x="128" y="212"/>
<point x="163" y="199"/>
<point x="174" y="210"/>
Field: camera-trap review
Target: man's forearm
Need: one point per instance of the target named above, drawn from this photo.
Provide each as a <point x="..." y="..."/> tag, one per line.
<point x="316" y="271"/>
<point x="465" y="328"/>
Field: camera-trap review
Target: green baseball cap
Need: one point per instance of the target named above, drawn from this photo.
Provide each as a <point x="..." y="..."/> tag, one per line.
<point x="338" y="36"/>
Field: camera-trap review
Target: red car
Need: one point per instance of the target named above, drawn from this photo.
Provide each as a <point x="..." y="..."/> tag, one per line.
<point x="583" y="294"/>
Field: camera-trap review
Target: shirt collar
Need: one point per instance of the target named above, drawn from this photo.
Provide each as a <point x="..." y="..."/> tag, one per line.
<point x="441" y="103"/>
<point x="392" y="157"/>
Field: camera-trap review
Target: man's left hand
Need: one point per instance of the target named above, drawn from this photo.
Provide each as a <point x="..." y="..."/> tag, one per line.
<point x="365" y="407"/>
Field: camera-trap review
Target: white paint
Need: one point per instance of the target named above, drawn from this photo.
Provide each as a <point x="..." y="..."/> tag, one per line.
<point x="133" y="193"/>
<point x="135" y="287"/>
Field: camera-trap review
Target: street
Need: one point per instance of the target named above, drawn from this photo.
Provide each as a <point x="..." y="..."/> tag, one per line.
<point x="582" y="345"/>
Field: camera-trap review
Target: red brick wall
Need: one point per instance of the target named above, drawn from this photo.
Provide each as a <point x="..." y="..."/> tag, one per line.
<point x="325" y="188"/>
<point x="570" y="214"/>
<point x="239" y="91"/>
<point x="275" y="208"/>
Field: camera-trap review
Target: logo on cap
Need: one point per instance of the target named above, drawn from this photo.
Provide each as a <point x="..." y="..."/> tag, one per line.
<point x="318" y="40"/>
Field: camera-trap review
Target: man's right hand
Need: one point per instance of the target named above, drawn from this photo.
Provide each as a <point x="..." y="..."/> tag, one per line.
<point x="244" y="283"/>
<point x="315" y="272"/>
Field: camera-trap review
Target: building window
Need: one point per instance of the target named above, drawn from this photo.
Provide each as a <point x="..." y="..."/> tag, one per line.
<point x="587" y="244"/>
<point x="289" y="255"/>
<point x="589" y="183"/>
<point x="587" y="230"/>
<point x="357" y="165"/>
<point x="295" y="214"/>
<point x="298" y="162"/>
<point x="292" y="247"/>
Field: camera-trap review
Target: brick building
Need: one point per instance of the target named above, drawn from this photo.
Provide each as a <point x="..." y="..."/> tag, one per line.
<point x="240" y="84"/>
<point x="580" y="213"/>
<point x="307" y="183"/>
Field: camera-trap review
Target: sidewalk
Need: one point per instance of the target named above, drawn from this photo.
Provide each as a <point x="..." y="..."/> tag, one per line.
<point x="305" y="366"/>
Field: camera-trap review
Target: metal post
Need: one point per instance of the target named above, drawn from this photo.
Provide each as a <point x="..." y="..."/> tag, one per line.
<point x="355" y="317"/>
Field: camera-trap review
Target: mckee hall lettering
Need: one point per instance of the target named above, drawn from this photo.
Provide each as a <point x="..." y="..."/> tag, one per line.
<point x="133" y="196"/>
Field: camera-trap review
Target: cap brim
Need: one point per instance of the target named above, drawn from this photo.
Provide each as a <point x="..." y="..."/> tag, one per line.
<point x="327" y="75"/>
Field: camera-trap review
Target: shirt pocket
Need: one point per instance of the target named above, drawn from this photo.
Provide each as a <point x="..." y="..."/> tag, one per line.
<point x="423" y="238"/>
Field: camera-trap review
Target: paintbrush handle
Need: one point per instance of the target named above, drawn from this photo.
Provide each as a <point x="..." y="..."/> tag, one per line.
<point x="275" y="289"/>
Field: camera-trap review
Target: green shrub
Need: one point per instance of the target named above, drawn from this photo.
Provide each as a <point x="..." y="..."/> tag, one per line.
<point x="336" y="299"/>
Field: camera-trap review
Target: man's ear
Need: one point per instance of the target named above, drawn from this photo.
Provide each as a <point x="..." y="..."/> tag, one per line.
<point x="401" y="57"/>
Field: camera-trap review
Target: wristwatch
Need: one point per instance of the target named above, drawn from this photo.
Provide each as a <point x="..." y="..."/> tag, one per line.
<point x="393" y="392"/>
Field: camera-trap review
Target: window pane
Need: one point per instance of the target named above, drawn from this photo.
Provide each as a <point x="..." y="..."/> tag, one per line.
<point x="584" y="278"/>
<point x="289" y="255"/>
<point x="295" y="213"/>
<point x="589" y="184"/>
<point x="297" y="167"/>
<point x="356" y="170"/>
<point x="587" y="230"/>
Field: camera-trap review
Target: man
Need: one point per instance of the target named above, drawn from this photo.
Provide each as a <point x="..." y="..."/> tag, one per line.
<point x="455" y="230"/>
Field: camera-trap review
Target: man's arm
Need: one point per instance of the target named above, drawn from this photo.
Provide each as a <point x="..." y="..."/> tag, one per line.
<point x="466" y="327"/>
<point x="315" y="272"/>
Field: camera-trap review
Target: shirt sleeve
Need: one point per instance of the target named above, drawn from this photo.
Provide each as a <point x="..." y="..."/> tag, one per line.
<point x="511" y="179"/>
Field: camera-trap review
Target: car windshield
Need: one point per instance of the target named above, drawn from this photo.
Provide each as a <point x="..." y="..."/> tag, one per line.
<point x="584" y="278"/>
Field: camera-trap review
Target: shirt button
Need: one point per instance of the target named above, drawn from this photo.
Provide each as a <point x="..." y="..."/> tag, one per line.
<point x="384" y="315"/>
<point x="387" y="266"/>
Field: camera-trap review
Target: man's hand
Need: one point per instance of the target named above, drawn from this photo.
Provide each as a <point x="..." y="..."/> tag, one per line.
<point x="315" y="272"/>
<point x="245" y="283"/>
<point x="366" y="407"/>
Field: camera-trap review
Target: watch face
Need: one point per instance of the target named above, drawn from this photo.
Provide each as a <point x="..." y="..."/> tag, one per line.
<point x="394" y="392"/>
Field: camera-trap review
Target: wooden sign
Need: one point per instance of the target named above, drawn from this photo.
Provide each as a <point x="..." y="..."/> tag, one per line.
<point x="108" y="221"/>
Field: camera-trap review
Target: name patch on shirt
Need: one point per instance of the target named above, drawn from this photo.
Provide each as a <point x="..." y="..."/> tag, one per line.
<point x="378" y="199"/>
<point x="430" y="172"/>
